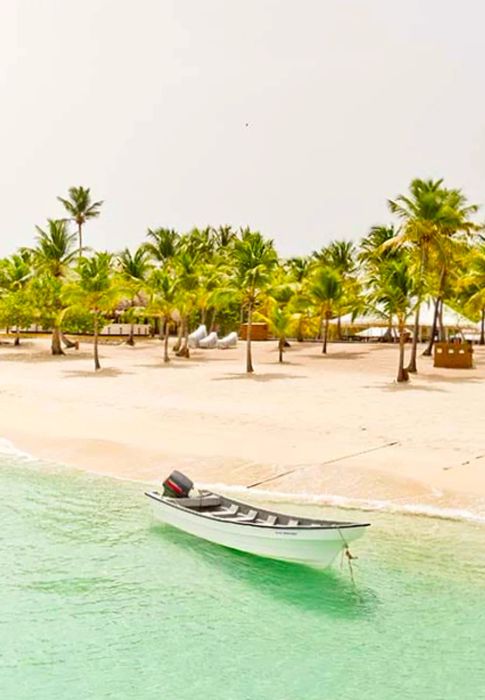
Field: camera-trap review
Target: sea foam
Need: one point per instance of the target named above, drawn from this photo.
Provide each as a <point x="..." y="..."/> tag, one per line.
<point x="8" y="449"/>
<point x="422" y="509"/>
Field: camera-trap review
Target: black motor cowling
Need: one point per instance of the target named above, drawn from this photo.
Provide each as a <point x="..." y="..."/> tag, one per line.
<point x="177" y="485"/>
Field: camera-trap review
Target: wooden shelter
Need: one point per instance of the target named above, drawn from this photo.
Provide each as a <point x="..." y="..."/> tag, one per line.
<point x="455" y="355"/>
<point x="259" y="331"/>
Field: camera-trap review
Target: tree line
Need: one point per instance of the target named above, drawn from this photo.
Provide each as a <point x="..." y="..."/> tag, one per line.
<point x="432" y="249"/>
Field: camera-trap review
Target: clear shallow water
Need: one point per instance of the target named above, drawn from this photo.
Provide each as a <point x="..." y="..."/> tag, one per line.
<point x="98" y="602"/>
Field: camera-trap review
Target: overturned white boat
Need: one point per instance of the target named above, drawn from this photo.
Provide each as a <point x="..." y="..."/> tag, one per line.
<point x="249" y="528"/>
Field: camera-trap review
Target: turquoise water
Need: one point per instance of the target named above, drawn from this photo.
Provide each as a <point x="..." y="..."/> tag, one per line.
<point x="98" y="602"/>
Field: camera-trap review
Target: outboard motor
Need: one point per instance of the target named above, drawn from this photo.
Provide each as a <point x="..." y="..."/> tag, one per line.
<point x="177" y="485"/>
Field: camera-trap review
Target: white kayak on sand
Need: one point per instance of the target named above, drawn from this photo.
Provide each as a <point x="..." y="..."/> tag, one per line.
<point x="248" y="528"/>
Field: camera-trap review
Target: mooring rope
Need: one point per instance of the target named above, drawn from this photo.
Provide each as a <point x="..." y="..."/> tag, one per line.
<point x="346" y="552"/>
<point x="321" y="464"/>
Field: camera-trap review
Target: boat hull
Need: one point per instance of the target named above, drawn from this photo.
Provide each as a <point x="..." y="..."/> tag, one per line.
<point x="311" y="546"/>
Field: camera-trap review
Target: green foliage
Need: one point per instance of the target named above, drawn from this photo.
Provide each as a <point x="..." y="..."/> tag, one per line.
<point x="326" y="290"/>
<point x="16" y="309"/>
<point x="79" y="205"/>
<point x="221" y="276"/>
<point x="55" y="248"/>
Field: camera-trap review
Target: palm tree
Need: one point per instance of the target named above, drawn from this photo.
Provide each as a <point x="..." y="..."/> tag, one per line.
<point x="133" y="270"/>
<point x="281" y="322"/>
<point x="187" y="269"/>
<point x="55" y="251"/>
<point x="80" y="209"/>
<point x="164" y="287"/>
<point x="15" y="274"/>
<point x="375" y="247"/>
<point x="95" y="290"/>
<point x="224" y="236"/>
<point x="326" y="291"/>
<point x="473" y="287"/>
<point x="254" y="258"/>
<point x="395" y="293"/>
<point x="163" y="244"/>
<point x="298" y="268"/>
<point x="375" y="251"/>
<point x="430" y="215"/>
<point x="53" y="257"/>
<point x="342" y="259"/>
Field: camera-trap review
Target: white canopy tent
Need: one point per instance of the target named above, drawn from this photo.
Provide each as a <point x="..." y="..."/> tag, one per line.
<point x="451" y="319"/>
<point x="378" y="332"/>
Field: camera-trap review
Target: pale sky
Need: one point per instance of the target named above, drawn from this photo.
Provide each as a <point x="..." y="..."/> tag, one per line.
<point x="146" y="102"/>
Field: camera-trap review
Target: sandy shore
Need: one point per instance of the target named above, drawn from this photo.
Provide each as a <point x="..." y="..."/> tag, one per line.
<point x="334" y="416"/>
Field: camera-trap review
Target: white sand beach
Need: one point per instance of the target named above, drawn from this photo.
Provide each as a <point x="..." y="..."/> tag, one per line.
<point x="332" y="416"/>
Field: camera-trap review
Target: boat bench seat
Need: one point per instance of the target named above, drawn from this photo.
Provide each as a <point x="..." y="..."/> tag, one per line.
<point x="247" y="517"/>
<point x="226" y="512"/>
<point x="270" y="520"/>
<point x="199" y="501"/>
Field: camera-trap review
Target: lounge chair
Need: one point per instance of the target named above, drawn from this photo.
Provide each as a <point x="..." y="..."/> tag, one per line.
<point x="209" y="342"/>
<point x="199" y="334"/>
<point x="229" y="341"/>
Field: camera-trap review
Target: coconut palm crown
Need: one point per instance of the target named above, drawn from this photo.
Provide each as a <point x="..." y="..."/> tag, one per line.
<point x="80" y="208"/>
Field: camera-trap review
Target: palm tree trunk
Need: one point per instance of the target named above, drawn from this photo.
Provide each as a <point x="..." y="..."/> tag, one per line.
<point x="388" y="336"/>
<point x="56" y="348"/>
<point x="178" y="342"/>
<point x="166" y="358"/>
<point x="68" y="343"/>
<point x="320" y="327"/>
<point x="249" y="359"/>
<point x="281" y="349"/>
<point x="212" y="325"/>
<point x="339" y="328"/>
<point x="412" y="366"/>
<point x="325" y="335"/>
<point x="80" y="238"/>
<point x="299" y="332"/>
<point x="131" y="337"/>
<point x="440" y="321"/>
<point x="402" y="374"/>
<point x="482" y="328"/>
<point x="184" y="339"/>
<point x="434" y="327"/>
<point x="96" y="335"/>
<point x="17" y="336"/>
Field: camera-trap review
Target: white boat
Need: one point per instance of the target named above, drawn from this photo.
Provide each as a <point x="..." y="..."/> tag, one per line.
<point x="248" y="528"/>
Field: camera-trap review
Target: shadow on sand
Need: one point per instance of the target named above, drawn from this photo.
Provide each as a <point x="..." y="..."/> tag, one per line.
<point x="255" y="377"/>
<point x="43" y="356"/>
<point x="335" y="355"/>
<point x="161" y="365"/>
<point x="103" y="372"/>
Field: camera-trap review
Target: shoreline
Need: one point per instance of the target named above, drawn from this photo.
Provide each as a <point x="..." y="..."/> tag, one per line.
<point x="348" y="435"/>
<point x="8" y="448"/>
